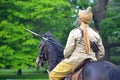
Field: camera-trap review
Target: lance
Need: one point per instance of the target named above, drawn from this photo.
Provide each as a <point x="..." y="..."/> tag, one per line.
<point x="36" y="34"/>
<point x="41" y="37"/>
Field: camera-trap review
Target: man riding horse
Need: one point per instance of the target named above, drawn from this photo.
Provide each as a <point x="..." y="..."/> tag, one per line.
<point x="78" y="47"/>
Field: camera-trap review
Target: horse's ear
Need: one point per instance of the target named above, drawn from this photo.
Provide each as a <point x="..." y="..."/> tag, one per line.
<point x="48" y="34"/>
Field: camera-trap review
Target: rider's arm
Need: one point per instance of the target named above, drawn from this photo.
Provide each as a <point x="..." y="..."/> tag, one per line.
<point x="101" y="51"/>
<point x="69" y="45"/>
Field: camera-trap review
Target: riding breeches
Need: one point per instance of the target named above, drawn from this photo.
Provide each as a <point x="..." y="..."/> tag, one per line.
<point x="61" y="70"/>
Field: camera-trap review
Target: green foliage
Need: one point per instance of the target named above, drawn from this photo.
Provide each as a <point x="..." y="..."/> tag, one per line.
<point x="115" y="55"/>
<point x="53" y="16"/>
<point x="115" y="59"/>
<point x="108" y="27"/>
<point x="30" y="73"/>
<point x="83" y="3"/>
<point x="5" y="54"/>
<point x="17" y="46"/>
<point x="80" y="3"/>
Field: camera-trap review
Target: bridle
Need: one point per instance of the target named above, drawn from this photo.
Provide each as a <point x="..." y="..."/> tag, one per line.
<point x="47" y="60"/>
<point x="51" y="52"/>
<point x="43" y="57"/>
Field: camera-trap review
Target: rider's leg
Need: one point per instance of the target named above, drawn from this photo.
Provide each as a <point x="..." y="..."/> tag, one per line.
<point x="61" y="70"/>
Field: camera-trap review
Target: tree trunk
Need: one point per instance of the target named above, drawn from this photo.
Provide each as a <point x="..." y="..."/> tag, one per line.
<point x="99" y="12"/>
<point x="98" y="16"/>
<point x="19" y="72"/>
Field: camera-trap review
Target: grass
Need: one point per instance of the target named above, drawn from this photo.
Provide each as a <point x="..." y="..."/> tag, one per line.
<point x="27" y="74"/>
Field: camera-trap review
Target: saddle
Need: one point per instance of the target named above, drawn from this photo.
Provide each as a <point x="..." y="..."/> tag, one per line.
<point x="77" y="74"/>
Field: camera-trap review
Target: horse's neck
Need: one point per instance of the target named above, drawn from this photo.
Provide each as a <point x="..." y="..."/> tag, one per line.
<point x="54" y="56"/>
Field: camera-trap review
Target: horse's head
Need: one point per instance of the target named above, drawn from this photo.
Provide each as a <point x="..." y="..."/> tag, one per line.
<point x="50" y="51"/>
<point x="43" y="56"/>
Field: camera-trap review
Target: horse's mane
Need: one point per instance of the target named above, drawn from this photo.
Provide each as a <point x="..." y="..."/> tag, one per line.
<point x="55" y="43"/>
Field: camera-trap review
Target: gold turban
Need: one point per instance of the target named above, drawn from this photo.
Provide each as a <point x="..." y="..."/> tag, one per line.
<point x="85" y="16"/>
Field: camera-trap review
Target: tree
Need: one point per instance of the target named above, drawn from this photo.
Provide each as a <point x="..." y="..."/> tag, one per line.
<point x="18" y="47"/>
<point x="113" y="38"/>
<point x="106" y="22"/>
<point x="99" y="12"/>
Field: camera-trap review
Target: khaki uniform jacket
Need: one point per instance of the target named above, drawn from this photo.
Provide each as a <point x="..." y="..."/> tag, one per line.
<point x="74" y="51"/>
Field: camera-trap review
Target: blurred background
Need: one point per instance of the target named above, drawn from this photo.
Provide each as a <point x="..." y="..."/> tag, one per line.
<point x="19" y="49"/>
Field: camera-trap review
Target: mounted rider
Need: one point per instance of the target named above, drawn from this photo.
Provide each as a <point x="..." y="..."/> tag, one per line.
<point x="78" y="47"/>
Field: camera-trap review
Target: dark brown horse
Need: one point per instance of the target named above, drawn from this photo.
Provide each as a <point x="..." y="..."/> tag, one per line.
<point x="51" y="51"/>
